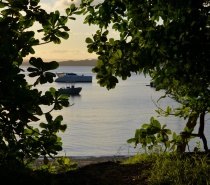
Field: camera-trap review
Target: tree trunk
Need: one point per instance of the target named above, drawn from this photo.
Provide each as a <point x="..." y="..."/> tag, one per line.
<point x="191" y="123"/>
<point x="201" y="131"/>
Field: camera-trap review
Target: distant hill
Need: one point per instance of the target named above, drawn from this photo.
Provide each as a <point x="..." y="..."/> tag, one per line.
<point x="74" y="63"/>
<point x="78" y="63"/>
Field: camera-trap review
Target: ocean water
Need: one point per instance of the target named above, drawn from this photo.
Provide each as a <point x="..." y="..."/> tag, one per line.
<point x="100" y="121"/>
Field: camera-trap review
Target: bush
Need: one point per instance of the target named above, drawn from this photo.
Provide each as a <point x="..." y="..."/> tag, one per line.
<point x="176" y="169"/>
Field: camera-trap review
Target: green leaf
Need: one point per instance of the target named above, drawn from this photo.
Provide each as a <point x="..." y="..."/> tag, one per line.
<point x="137" y="133"/>
<point x="72" y="18"/>
<point x="52" y="90"/>
<point x="64" y="96"/>
<point x="43" y="125"/>
<point x="59" y="118"/>
<point x="103" y="39"/>
<point x="89" y="40"/>
<point x="156" y="123"/>
<point x="2" y="5"/>
<point x="168" y="131"/>
<point x="56" y="40"/>
<point x="48" y="117"/>
<point x="111" y="41"/>
<point x="152" y="119"/>
<point x="148" y="140"/>
<point x="54" y="17"/>
<point x="63" y="20"/>
<point x="72" y="7"/>
<point x="163" y="127"/>
<point x="37" y="62"/>
<point x="28" y="131"/>
<point x="51" y="65"/>
<point x="145" y="125"/>
<point x="34" y="2"/>
<point x="31" y="69"/>
<point x="63" y="35"/>
<point x="63" y="128"/>
<point x="174" y="136"/>
<point x="169" y="110"/>
<point x="33" y="118"/>
<point x="34" y="74"/>
<point x="67" y="11"/>
<point x="90" y="50"/>
<point x="132" y="140"/>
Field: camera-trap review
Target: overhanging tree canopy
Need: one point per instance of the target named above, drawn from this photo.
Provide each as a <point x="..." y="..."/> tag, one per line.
<point x="167" y="39"/>
<point x="20" y="102"/>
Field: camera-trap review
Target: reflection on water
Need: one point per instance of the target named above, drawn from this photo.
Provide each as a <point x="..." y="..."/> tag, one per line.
<point x="100" y="121"/>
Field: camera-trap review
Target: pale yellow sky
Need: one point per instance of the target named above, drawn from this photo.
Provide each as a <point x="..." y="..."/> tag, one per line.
<point x="75" y="47"/>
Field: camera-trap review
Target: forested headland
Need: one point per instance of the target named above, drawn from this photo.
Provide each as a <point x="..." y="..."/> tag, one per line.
<point x="87" y="62"/>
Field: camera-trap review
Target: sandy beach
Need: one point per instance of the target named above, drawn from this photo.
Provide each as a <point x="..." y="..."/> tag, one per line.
<point x="84" y="161"/>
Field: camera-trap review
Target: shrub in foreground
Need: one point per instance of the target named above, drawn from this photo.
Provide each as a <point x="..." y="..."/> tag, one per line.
<point x="174" y="168"/>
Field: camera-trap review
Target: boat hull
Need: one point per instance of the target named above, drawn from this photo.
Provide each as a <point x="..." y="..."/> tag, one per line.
<point x="70" y="90"/>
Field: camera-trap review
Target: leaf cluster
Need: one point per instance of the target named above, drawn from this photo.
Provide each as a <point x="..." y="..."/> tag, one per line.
<point x="170" y="46"/>
<point x="60" y="165"/>
<point x="20" y="102"/>
<point x="153" y="135"/>
<point x="168" y="40"/>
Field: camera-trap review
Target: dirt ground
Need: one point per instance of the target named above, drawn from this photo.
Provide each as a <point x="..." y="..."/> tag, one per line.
<point x="90" y="171"/>
<point x="104" y="171"/>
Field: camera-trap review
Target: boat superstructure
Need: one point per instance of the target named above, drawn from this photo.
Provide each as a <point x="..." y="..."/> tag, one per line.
<point x="72" y="78"/>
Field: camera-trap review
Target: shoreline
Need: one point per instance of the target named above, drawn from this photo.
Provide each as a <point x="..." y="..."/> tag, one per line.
<point x="83" y="161"/>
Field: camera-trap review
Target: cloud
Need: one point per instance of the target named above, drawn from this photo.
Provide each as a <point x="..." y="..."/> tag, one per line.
<point x="64" y="51"/>
<point x="97" y="2"/>
<point x="62" y="4"/>
<point x="58" y="4"/>
<point x="47" y="7"/>
<point x="60" y="51"/>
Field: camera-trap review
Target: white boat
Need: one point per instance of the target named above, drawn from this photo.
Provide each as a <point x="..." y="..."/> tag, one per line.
<point x="70" y="90"/>
<point x="72" y="78"/>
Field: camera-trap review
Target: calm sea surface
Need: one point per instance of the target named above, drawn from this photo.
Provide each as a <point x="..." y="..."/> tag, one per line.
<point x="100" y="121"/>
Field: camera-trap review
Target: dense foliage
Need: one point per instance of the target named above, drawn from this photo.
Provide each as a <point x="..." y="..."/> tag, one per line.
<point x="20" y="102"/>
<point x="169" y="40"/>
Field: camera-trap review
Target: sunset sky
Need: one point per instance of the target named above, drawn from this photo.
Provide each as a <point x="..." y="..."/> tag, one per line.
<point x="75" y="47"/>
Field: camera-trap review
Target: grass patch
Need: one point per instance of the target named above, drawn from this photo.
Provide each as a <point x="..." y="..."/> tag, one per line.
<point x="142" y="158"/>
<point x="173" y="168"/>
